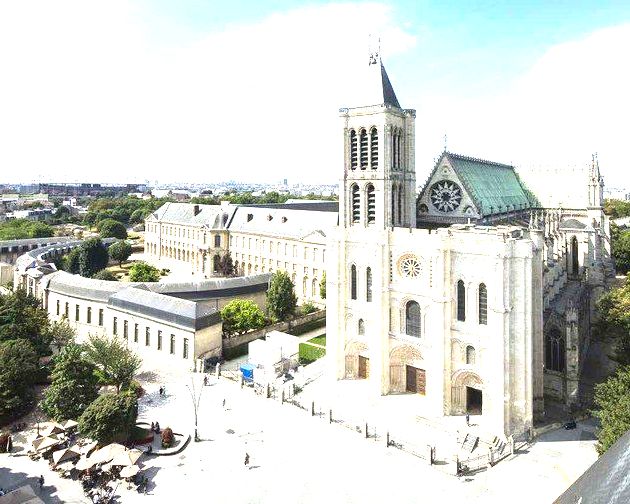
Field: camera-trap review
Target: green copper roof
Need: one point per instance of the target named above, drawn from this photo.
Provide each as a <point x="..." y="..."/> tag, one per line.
<point x="494" y="187"/>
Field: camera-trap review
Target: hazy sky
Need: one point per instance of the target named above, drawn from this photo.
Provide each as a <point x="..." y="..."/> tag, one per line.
<point x="202" y="91"/>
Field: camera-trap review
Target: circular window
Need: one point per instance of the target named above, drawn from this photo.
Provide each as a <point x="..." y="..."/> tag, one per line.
<point x="445" y="195"/>
<point x="409" y="266"/>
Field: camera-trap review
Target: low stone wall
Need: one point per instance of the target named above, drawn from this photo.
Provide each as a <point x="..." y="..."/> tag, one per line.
<point x="242" y="339"/>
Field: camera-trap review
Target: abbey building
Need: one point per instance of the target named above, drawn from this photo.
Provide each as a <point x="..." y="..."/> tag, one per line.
<point x="477" y="294"/>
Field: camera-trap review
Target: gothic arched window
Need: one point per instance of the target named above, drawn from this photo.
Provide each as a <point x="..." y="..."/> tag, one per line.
<point x="470" y="355"/>
<point x="393" y="205"/>
<point x="461" y="301"/>
<point x="368" y="284"/>
<point x="393" y="151"/>
<point x="555" y="351"/>
<point x="371" y="204"/>
<point x="353" y="149"/>
<point x="361" y="327"/>
<point x="374" y="148"/>
<point x="483" y="304"/>
<point x="356" y="203"/>
<point x="363" y="141"/>
<point x="575" y="259"/>
<point x="412" y="319"/>
<point x="400" y="204"/>
<point x="353" y="282"/>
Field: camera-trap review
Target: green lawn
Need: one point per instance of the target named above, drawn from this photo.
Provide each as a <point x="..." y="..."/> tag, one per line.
<point x="319" y="340"/>
<point x="309" y="353"/>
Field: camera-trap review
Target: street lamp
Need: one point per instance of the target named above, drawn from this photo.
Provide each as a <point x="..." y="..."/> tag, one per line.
<point x="195" y="401"/>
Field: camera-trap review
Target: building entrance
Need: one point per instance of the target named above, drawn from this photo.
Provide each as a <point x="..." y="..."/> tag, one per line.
<point x="364" y="367"/>
<point x="416" y="380"/>
<point x="474" y="399"/>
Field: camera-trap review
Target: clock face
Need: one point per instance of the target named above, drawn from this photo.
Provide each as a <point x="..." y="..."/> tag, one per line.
<point x="409" y="266"/>
<point x="445" y="195"/>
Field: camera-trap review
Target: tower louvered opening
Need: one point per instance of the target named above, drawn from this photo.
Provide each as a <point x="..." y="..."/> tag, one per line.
<point x="374" y="148"/>
<point x="356" y="203"/>
<point x="364" y="149"/>
<point x="353" y="149"/>
<point x="371" y="204"/>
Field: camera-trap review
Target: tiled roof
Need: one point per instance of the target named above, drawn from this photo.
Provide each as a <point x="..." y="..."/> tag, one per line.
<point x="494" y="187"/>
<point x="184" y="213"/>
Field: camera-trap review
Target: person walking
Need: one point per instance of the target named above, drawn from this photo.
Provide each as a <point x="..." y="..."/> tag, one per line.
<point x="467" y="420"/>
<point x="246" y="459"/>
<point x="41" y="482"/>
<point x="224" y="403"/>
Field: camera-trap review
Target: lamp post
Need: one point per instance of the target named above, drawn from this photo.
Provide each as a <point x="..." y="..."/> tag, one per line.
<point x="195" y="402"/>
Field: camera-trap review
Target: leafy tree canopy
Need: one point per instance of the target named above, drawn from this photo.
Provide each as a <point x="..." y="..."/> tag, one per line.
<point x="74" y="385"/>
<point x="620" y="240"/>
<point x="612" y="400"/>
<point x="105" y="275"/>
<point x="322" y="286"/>
<point x="61" y="333"/>
<point x="616" y="208"/>
<point x="93" y="257"/>
<point x="143" y="272"/>
<point x="226" y="265"/>
<point x="281" y="299"/>
<point x="110" y="228"/>
<point x="120" y="251"/>
<point x="240" y="316"/>
<point x="116" y="364"/>
<point x="18" y="229"/>
<point x="111" y="417"/>
<point x="614" y="321"/>
<point x="18" y="368"/>
<point x="22" y="317"/>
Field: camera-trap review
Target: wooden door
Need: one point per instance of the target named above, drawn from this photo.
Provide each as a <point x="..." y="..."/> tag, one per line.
<point x="364" y="367"/>
<point x="416" y="380"/>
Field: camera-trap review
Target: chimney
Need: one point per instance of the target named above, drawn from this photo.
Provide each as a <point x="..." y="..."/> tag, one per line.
<point x="196" y="210"/>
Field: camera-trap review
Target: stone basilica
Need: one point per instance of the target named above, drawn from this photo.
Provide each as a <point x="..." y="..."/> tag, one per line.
<point x="477" y="294"/>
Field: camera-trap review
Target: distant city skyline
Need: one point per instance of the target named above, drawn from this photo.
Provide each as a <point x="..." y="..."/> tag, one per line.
<point x="191" y="91"/>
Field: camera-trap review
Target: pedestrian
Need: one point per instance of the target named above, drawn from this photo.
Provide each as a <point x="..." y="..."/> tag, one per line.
<point x="164" y="389"/>
<point x="157" y="427"/>
<point x="224" y="403"/>
<point x="205" y="380"/>
<point x="2" y="492"/>
<point x="152" y="427"/>
<point x="161" y="391"/>
<point x="41" y="482"/>
<point x="467" y="419"/>
<point x="246" y="459"/>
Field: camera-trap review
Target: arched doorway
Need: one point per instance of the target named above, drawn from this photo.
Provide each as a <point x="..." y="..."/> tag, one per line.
<point x="406" y="370"/>
<point x="575" y="260"/>
<point x="357" y="361"/>
<point x="467" y="393"/>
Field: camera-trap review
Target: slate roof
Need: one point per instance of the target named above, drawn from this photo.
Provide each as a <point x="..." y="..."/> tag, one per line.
<point x="606" y="481"/>
<point x="373" y="87"/>
<point x="173" y="310"/>
<point x="572" y="224"/>
<point x="494" y="187"/>
<point x="209" y="215"/>
<point x="389" y="96"/>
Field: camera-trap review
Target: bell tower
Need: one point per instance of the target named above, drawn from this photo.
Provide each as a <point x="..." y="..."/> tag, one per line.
<point x="379" y="181"/>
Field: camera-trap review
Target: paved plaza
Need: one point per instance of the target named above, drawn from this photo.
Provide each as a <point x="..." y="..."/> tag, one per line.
<point x="298" y="458"/>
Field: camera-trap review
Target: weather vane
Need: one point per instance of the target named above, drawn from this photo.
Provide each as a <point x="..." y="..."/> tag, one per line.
<point x="374" y="53"/>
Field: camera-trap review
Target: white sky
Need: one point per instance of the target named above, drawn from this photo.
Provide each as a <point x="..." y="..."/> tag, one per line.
<point x="88" y="93"/>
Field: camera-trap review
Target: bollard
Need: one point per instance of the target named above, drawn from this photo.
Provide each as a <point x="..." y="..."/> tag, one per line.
<point x="387" y="439"/>
<point x="367" y="433"/>
<point x="268" y="391"/>
<point x="330" y="416"/>
<point x="282" y="397"/>
<point x="217" y="371"/>
<point x="312" y="408"/>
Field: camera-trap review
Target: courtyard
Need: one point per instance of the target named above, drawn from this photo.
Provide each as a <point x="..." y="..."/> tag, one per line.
<point x="295" y="457"/>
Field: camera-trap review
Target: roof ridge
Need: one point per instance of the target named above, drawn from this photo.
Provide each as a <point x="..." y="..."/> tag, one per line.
<point x="477" y="160"/>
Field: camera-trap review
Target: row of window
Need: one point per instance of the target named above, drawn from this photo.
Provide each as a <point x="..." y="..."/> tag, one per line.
<point x="77" y="313"/>
<point x="482" y="301"/>
<point x="364" y="149"/>
<point x="368" y="283"/>
<point x="289" y="250"/>
<point x="355" y="202"/>
<point x="147" y="337"/>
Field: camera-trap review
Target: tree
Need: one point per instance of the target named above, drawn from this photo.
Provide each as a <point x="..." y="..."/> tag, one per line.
<point x="614" y="321"/>
<point x="93" y="257"/>
<point x="116" y="364"/>
<point x="18" y="369"/>
<point x="61" y="333"/>
<point x="226" y="265"/>
<point x="322" y="286"/>
<point x="70" y="261"/>
<point x="620" y="240"/>
<point x="120" y="251"/>
<point x="22" y="317"/>
<point x="240" y="316"/>
<point x="74" y="385"/>
<point x="143" y="272"/>
<point x="281" y="299"/>
<point x="111" y="417"/>
<point x="110" y="228"/>
<point x="612" y="400"/>
<point x="105" y="275"/>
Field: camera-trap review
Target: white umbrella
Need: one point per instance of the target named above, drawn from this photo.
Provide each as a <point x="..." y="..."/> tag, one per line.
<point x="64" y="455"/>
<point x="86" y="449"/>
<point x="85" y="463"/>
<point x="107" y="453"/>
<point x="53" y="428"/>
<point x="70" y="424"/>
<point x="127" y="458"/>
<point x="129" y="471"/>
<point x="45" y="443"/>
